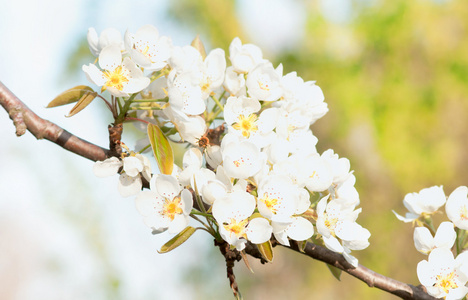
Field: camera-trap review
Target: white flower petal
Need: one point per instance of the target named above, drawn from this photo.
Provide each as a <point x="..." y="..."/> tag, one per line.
<point x="259" y="230"/>
<point x="300" y="230"/>
<point x="129" y="186"/>
<point x="107" y="167"/>
<point x="110" y="58"/>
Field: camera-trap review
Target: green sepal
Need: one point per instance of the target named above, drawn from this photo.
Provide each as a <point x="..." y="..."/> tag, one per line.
<point x="162" y="149"/>
<point x="178" y="240"/>
<point x="266" y="250"/>
<point x="70" y="96"/>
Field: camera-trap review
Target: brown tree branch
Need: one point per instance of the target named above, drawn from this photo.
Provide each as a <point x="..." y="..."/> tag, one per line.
<point x="371" y="278"/>
<point x="25" y="119"/>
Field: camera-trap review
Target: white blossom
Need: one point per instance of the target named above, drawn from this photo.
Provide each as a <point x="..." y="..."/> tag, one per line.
<point x="457" y="207"/>
<point x="427" y="201"/>
<point x="120" y="78"/>
<point x="444" y="238"/>
<point x="442" y="275"/>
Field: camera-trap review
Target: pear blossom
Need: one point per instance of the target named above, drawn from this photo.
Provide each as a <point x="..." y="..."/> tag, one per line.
<point x="234" y="83"/>
<point x="120" y="78"/>
<point x="305" y="96"/>
<point x="213" y="155"/>
<point x="193" y="79"/>
<point x="444" y="238"/>
<point x="244" y="57"/>
<point x="346" y="193"/>
<point x="289" y="167"/>
<point x="134" y="166"/>
<point x="457" y="207"/>
<point x="317" y="173"/>
<point x="240" y="110"/>
<point x="166" y="206"/>
<point x="109" y="36"/>
<point x="427" y="201"/>
<point x="232" y="214"/>
<point x="193" y="174"/>
<point x="337" y="222"/>
<point x="221" y="186"/>
<point x="242" y="160"/>
<point x="277" y="198"/>
<point x="340" y="166"/>
<point x="298" y="229"/>
<point x="263" y="82"/>
<point x="190" y="128"/>
<point x="147" y="48"/>
<point x="211" y="73"/>
<point x="443" y="275"/>
<point x="185" y="59"/>
<point x="185" y="94"/>
<point x="240" y="115"/>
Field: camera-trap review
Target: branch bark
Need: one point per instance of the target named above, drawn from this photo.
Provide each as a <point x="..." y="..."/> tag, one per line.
<point x="371" y="278"/>
<point x="25" y="119"/>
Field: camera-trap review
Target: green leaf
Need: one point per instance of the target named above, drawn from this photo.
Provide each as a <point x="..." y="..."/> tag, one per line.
<point x="70" y="96"/>
<point x="162" y="149"/>
<point x="84" y="101"/>
<point x="335" y="271"/>
<point x="198" y="44"/>
<point x="302" y="245"/>
<point x="266" y="250"/>
<point x="178" y="240"/>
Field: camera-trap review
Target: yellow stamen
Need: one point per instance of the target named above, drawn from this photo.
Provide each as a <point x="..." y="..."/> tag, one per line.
<point x="270" y="203"/>
<point x="172" y="208"/>
<point x="246" y="125"/>
<point x="331" y="223"/>
<point x="237" y="228"/>
<point x="446" y="282"/>
<point x="115" y="79"/>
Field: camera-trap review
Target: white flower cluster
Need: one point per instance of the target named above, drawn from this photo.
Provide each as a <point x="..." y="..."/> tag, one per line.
<point x="260" y="179"/>
<point x="442" y="274"/>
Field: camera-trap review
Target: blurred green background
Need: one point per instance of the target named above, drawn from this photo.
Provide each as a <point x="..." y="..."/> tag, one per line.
<point x="394" y="74"/>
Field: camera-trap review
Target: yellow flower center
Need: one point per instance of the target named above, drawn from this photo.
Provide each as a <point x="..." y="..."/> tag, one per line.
<point x="238" y="228"/>
<point x="205" y="84"/>
<point x="172" y="208"/>
<point x="246" y="125"/>
<point x="446" y="282"/>
<point x="331" y="223"/>
<point x="271" y="203"/>
<point x="115" y="79"/>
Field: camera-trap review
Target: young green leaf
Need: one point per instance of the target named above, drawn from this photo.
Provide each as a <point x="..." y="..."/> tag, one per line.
<point x="178" y="240"/>
<point x="335" y="271"/>
<point x="70" y="96"/>
<point x="162" y="149"/>
<point x="266" y="250"/>
<point x="82" y="103"/>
